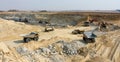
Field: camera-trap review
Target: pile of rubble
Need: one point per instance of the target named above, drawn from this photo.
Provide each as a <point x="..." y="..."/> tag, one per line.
<point x="60" y="47"/>
<point x="57" y="52"/>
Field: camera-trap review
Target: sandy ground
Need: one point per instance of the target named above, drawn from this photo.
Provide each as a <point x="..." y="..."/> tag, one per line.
<point x="11" y="31"/>
<point x="106" y="47"/>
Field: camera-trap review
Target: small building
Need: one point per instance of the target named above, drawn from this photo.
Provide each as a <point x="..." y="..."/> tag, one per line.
<point x="89" y="37"/>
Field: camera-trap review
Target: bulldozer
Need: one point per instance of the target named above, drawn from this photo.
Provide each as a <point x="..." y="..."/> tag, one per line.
<point x="31" y="36"/>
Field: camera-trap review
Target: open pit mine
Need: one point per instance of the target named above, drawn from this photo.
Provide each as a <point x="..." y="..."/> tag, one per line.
<point x="59" y="37"/>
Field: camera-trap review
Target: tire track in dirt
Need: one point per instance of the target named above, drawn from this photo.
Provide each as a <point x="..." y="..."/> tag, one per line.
<point x="112" y="52"/>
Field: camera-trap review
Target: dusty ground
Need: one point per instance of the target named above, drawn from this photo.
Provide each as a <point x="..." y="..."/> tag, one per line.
<point x="105" y="49"/>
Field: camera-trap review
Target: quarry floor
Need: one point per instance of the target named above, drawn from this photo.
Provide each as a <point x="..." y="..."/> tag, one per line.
<point x="61" y="33"/>
<point x="11" y="36"/>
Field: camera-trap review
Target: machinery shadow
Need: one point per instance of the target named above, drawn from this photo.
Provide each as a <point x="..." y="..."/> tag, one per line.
<point x="19" y="41"/>
<point x="82" y="41"/>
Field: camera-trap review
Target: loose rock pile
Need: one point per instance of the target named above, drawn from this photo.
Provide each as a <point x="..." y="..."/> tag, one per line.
<point x="53" y="51"/>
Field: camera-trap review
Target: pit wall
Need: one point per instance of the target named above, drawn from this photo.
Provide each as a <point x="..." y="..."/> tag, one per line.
<point x="62" y="18"/>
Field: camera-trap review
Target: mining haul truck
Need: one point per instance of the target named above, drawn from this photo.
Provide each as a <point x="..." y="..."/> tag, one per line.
<point x="89" y="37"/>
<point x="48" y="29"/>
<point x="31" y="36"/>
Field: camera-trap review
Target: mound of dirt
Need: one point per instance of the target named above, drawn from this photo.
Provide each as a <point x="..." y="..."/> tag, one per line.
<point x="14" y="29"/>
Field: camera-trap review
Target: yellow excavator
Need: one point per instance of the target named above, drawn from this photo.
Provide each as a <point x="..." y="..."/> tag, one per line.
<point x="87" y="23"/>
<point x="89" y="18"/>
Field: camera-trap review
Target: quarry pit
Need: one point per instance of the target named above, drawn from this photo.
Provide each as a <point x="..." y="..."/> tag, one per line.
<point x="60" y="44"/>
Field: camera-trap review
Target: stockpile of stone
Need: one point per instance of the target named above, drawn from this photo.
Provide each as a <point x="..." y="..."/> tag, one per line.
<point x="62" y="47"/>
<point x="34" y="56"/>
<point x="56" y="52"/>
<point x="72" y="47"/>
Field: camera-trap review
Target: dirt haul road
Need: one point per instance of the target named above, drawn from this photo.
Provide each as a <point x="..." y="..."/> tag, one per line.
<point x="11" y="31"/>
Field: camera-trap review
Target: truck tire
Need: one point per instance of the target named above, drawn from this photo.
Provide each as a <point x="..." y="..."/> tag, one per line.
<point x="36" y="38"/>
<point x="26" y="40"/>
<point x="93" y="40"/>
<point x="85" y="40"/>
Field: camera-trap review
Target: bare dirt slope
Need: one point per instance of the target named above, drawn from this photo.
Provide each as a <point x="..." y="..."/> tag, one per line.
<point x="11" y="30"/>
<point x="109" y="46"/>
